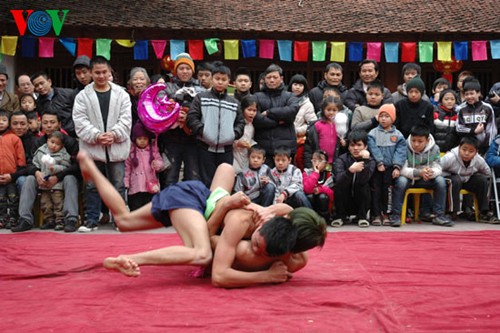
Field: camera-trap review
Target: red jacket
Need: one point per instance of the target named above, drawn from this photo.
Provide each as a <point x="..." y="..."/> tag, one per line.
<point x="11" y="153"/>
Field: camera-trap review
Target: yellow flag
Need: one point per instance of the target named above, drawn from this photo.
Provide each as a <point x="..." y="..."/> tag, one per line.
<point x="231" y="49"/>
<point x="8" y="45"/>
<point x="338" y="51"/>
<point x="444" y="51"/>
<point x="125" y="42"/>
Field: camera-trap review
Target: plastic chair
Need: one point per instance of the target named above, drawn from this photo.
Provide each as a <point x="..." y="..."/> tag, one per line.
<point x="474" y="199"/>
<point x="416" y="191"/>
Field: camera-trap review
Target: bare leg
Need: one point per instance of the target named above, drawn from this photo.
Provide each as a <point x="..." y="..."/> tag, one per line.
<point x="191" y="226"/>
<point x="140" y="219"/>
<point x="224" y="177"/>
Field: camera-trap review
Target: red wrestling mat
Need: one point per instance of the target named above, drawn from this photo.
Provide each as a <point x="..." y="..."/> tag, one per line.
<point x="359" y="282"/>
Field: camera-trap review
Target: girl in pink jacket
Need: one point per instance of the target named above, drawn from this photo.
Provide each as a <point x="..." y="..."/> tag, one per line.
<point x="141" y="166"/>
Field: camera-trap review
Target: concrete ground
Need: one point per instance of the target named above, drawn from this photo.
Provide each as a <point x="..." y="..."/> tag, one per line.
<point x="460" y="225"/>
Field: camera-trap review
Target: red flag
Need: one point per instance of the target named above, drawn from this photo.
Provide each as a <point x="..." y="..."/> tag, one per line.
<point x="300" y="51"/>
<point x="408" y="51"/>
<point x="85" y="47"/>
<point x="196" y="49"/>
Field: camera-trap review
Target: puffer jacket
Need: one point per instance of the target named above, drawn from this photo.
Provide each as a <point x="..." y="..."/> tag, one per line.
<point x="277" y="128"/>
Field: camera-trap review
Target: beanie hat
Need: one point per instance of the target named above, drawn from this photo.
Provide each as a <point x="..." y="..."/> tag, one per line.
<point x="390" y="109"/>
<point x="3" y="70"/>
<point x="83" y="61"/>
<point x="416" y="82"/>
<point x="139" y="130"/>
<point x="183" y="58"/>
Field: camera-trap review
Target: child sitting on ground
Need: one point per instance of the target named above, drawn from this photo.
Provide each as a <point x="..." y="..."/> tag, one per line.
<point x="352" y="172"/>
<point x="388" y="147"/>
<point x="468" y="170"/>
<point x="318" y="184"/>
<point x="52" y="158"/>
<point x="422" y="169"/>
<point x="256" y="180"/>
<point x="288" y="180"/>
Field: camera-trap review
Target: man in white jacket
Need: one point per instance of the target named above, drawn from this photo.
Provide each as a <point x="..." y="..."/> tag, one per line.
<point x="103" y="120"/>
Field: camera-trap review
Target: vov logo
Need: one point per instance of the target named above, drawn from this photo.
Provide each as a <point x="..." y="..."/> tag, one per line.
<point x="39" y="22"/>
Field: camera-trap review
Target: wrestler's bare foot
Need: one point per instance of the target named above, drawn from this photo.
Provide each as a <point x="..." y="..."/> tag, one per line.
<point x="122" y="264"/>
<point x="87" y="165"/>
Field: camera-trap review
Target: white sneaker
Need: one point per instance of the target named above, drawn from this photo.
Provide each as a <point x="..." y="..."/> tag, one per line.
<point x="87" y="228"/>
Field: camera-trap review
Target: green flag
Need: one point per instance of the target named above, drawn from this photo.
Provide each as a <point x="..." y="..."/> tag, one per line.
<point x="425" y="51"/>
<point x="103" y="48"/>
<point x="211" y="45"/>
<point x="319" y="50"/>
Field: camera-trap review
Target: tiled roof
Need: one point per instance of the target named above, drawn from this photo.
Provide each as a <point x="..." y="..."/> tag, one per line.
<point x="278" y="16"/>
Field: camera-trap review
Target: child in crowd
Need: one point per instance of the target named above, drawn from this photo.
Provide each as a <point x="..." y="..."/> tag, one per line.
<point x="460" y="85"/>
<point x="216" y="120"/>
<point x="364" y="116"/>
<point x="241" y="146"/>
<point x="204" y="74"/>
<point x="27" y="103"/>
<point x="52" y="158"/>
<point x="468" y="170"/>
<point x="422" y="169"/>
<point x="445" y="118"/>
<point x="475" y="116"/>
<point x="141" y="166"/>
<point x="34" y="123"/>
<point x="352" y="173"/>
<point x="322" y="134"/>
<point x="13" y="158"/>
<point x="333" y="91"/>
<point x="288" y="180"/>
<point x="242" y="83"/>
<point x="306" y="115"/>
<point x="256" y="179"/>
<point x="439" y="85"/>
<point x="388" y="147"/>
<point x="414" y="110"/>
<point x="409" y="71"/>
<point x="318" y="184"/>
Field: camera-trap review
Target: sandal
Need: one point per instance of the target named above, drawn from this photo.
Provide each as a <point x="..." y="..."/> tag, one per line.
<point x="362" y="223"/>
<point x="337" y="223"/>
<point x="377" y="221"/>
<point x="489" y="218"/>
<point x="386" y="221"/>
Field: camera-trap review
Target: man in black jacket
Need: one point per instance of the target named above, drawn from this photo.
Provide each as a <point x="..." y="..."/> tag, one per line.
<point x="277" y="110"/>
<point x="59" y="100"/>
<point x="332" y="75"/>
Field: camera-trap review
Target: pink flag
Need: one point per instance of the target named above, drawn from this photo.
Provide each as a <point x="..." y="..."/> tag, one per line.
<point x="479" y="50"/>
<point x="159" y="47"/>
<point x="374" y="51"/>
<point x="266" y="48"/>
<point x="46" y="47"/>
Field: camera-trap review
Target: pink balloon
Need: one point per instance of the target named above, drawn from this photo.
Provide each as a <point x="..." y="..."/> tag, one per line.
<point x="155" y="110"/>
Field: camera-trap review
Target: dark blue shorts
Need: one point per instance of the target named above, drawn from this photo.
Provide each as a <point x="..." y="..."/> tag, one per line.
<point x="190" y="194"/>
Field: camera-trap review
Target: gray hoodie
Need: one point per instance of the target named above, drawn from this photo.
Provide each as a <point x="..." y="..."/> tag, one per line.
<point x="453" y="164"/>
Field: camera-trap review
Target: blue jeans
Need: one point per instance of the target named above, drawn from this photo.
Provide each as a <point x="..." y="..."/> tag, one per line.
<point x="115" y="172"/>
<point x="20" y="183"/>
<point x="266" y="197"/>
<point x="298" y="199"/>
<point x="437" y="184"/>
<point x="29" y="193"/>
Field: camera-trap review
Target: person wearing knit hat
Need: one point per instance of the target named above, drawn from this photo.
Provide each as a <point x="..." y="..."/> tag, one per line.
<point x="183" y="59"/>
<point x="390" y="109"/>
<point x="414" y="110"/>
<point x="388" y="148"/>
<point x="81" y="70"/>
<point x="8" y="101"/>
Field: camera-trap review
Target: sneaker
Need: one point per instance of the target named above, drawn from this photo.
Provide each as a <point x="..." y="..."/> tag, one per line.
<point x="70" y="225"/>
<point x="22" y="225"/>
<point x="377" y="221"/>
<point x="88" y="227"/>
<point x="395" y="220"/>
<point x="443" y="221"/>
<point x="59" y="226"/>
<point x="427" y="217"/>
